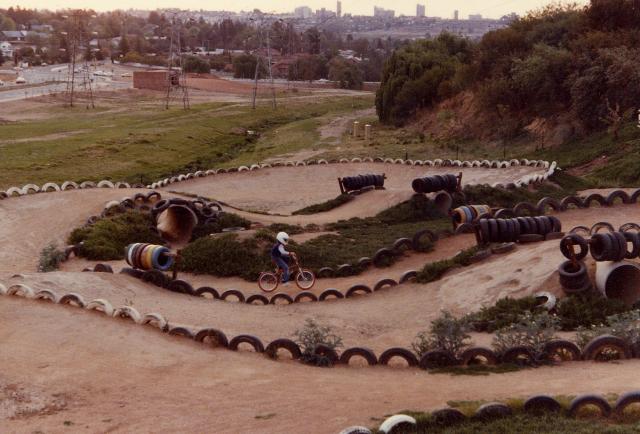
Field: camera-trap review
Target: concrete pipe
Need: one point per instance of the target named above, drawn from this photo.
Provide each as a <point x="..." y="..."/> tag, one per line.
<point x="176" y="224"/>
<point x="619" y="280"/>
<point x="443" y="201"/>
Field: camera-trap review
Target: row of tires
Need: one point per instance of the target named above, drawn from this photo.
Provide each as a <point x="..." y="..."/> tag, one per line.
<point x="536" y="405"/>
<point x="140" y="201"/>
<point x="435" y="183"/>
<point x="67" y="185"/>
<point x="610" y="246"/>
<point x="429" y="163"/>
<point x="598" y="348"/>
<point x="205" y="211"/>
<point x="353" y="183"/>
<point x="523" y="229"/>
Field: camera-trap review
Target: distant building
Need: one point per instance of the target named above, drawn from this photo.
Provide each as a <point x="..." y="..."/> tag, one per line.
<point x="13" y="35"/>
<point x="420" y="10"/>
<point x="339" y="9"/>
<point x="475" y="17"/>
<point x="324" y="14"/>
<point x="6" y="49"/>
<point x="455" y="15"/>
<point x="383" y="13"/>
<point x="303" y="12"/>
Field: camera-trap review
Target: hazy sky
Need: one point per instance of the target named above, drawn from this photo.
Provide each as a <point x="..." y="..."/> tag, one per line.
<point x="442" y="8"/>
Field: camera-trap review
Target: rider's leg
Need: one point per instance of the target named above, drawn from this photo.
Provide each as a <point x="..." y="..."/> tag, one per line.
<point x="282" y="264"/>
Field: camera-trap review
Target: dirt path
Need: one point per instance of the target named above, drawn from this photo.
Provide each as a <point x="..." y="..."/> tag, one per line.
<point x="331" y="132"/>
<point x="93" y="373"/>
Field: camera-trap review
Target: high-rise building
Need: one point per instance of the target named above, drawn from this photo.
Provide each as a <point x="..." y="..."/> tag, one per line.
<point x="383" y="13"/>
<point x="455" y="15"/>
<point x="339" y="9"/>
<point x="303" y="12"/>
<point x="475" y="17"/>
<point x="420" y="10"/>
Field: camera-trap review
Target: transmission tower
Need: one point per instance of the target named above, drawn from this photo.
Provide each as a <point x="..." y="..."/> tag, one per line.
<point x="259" y="60"/>
<point x="176" y="77"/>
<point x="75" y="36"/>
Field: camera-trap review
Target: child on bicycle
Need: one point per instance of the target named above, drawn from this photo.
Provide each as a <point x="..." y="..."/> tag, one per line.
<point x="280" y="256"/>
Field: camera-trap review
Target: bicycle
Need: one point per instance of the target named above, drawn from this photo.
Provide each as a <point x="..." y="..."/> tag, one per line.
<point x="304" y="278"/>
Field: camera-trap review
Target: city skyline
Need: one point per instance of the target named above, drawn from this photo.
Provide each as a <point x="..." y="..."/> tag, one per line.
<point x="439" y="8"/>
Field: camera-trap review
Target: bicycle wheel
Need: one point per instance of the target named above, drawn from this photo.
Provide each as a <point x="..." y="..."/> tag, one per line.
<point x="305" y="279"/>
<point x="268" y="282"/>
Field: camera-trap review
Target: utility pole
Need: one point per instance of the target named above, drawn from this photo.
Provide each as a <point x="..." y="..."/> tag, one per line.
<point x="258" y="60"/>
<point x="75" y="36"/>
<point x="179" y="81"/>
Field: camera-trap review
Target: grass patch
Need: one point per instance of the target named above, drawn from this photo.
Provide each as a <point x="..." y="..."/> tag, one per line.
<point x="224" y="221"/>
<point x="107" y="238"/>
<point x="325" y="206"/>
<point x="475" y="370"/>
<point x="435" y="270"/>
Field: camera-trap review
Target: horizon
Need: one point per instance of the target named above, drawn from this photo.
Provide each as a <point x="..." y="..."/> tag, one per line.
<point x="439" y="8"/>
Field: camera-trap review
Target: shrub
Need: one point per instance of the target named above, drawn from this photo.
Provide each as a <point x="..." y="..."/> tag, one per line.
<point x="312" y="335"/>
<point x="107" y="238"/>
<point x="447" y="333"/>
<point x="505" y="312"/>
<point x="225" y="220"/>
<point x="325" y="206"/>
<point x="531" y="330"/>
<point x="625" y="326"/>
<point x="586" y="310"/>
<point x="435" y="270"/>
<point x="50" y="258"/>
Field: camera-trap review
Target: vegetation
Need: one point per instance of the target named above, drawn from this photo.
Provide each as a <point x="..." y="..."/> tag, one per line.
<point x="530" y="330"/>
<point x="224" y="221"/>
<point x="50" y="258"/>
<point x="106" y="239"/>
<point x="624" y="325"/>
<point x="505" y="312"/>
<point x="435" y="270"/>
<point x="447" y="333"/>
<point x="312" y="335"/>
<point x="325" y="206"/>
<point x="345" y="73"/>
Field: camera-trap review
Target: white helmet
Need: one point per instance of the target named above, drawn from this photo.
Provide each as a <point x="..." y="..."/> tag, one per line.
<point x="283" y="237"/>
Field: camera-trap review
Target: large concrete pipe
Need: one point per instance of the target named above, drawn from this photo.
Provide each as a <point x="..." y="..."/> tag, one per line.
<point x="443" y="201"/>
<point x="620" y="280"/>
<point x="176" y="224"/>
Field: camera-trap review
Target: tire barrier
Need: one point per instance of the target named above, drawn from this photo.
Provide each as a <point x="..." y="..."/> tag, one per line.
<point x="574" y="277"/>
<point x="400" y="422"/>
<point x="601" y="348"/>
<point x="522" y="229"/>
<point x="469" y="214"/>
<point x="148" y="257"/>
<point x="354" y="183"/>
<point x="433" y="184"/>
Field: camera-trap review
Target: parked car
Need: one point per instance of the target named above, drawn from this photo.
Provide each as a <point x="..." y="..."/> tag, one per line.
<point x="21" y="80"/>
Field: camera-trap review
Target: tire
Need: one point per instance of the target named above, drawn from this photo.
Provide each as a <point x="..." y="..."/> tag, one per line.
<point x="365" y="353"/>
<point x="562" y="349"/>
<point x="617" y="194"/>
<point x="402" y="244"/>
<point x="418" y="236"/>
<point x="634" y="239"/>
<point x="589" y="399"/>
<point x="326" y="352"/>
<point x="281" y="296"/>
<point x="601" y="225"/>
<point x="520" y="356"/>
<point x="408" y="276"/>
<point x="128" y="312"/>
<point x="200" y="292"/>
<point x="305" y="279"/>
<point x="403" y="353"/>
<point x="256" y="343"/>
<point x="437" y="359"/>
<point x="43" y="294"/>
<point x="575" y="240"/>
<point x="156" y="320"/>
<point x="330" y="293"/>
<point x="302" y="295"/>
<point x="521" y="207"/>
<point x="448" y="417"/>
<point x="471" y="355"/>
<point x="493" y="410"/>
<point x="554" y="204"/>
<point x="181" y="331"/>
<point x="465" y="228"/>
<point x="71" y="298"/>
<point x="594" y="350"/>
<point x="132" y="272"/>
<point x="628" y="227"/>
<point x="257" y="297"/>
<point x="581" y="230"/>
<point x="381" y="255"/>
<point x="356" y="289"/>
<point x="103" y="268"/>
<point x="268" y="282"/>
<point x="343" y="270"/>
<point x="365" y="262"/>
<point x="541" y="404"/>
<point x="100" y="305"/>
<point x="399" y="423"/>
<point x="355" y="430"/>
<point x="384" y="282"/>
<point x="182" y="287"/>
<point x="272" y="349"/>
<point x="603" y="247"/>
<point x="625" y="400"/>
<point x="547" y="300"/>
<point x="325" y="272"/>
<point x="154" y="277"/>
<point x="214" y="336"/>
<point x="556" y="223"/>
<point x="233" y="292"/>
<point x="573" y="280"/>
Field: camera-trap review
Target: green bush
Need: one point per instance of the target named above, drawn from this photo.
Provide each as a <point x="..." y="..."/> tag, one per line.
<point x="225" y="220"/>
<point x="435" y="270"/>
<point x="312" y="335"/>
<point x="107" y="238"/>
<point x="530" y="330"/>
<point x="50" y="258"/>
<point x="505" y="312"/>
<point x="586" y="310"/>
<point x="447" y="333"/>
<point x="325" y="206"/>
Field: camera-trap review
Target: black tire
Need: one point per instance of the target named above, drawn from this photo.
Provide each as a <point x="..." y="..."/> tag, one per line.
<point x="561" y="349"/>
<point x="628" y="227"/>
<point x="325" y="272"/>
<point x="132" y="272"/>
<point x="525" y="228"/>
<point x="634" y="239"/>
<point x="601" y="225"/>
<point x="159" y="207"/>
<point x="326" y="352"/>
<point x="200" y="292"/>
<point x="181" y="331"/>
<point x="181" y="287"/>
<point x="555" y="221"/>
<point x="365" y="353"/>
<point x="589" y="399"/>
<point x="525" y="208"/>
<point x="575" y="240"/>
<point x="231" y="293"/>
<point x="402" y="244"/>
<point x="541" y="404"/>
<point x="403" y="353"/>
<point x="595" y="197"/>
<point x="364" y="262"/>
<point x="255" y="342"/>
<point x="625" y="400"/>
<point x="573" y="280"/>
<point x="448" y="417"/>
<point x="493" y="410"/>
<point x="503" y="231"/>
<point x="408" y="276"/>
<point x="581" y="230"/>
<point x="345" y="270"/>
<point x="257" y="297"/>
<point x="571" y="200"/>
<point x="330" y="293"/>
<point x="155" y="277"/>
<point x="356" y="289"/>
<point x="383" y="283"/>
<point x="103" y="268"/>
<point x="520" y="356"/>
<point x="603" y="247"/>
<point x="471" y="355"/>
<point x="594" y="350"/>
<point x="437" y="359"/>
<point x="465" y="228"/>
<point x="554" y="204"/>
<point x="283" y="343"/>
<point x="281" y="296"/>
<point x="382" y="256"/>
<point x="305" y="294"/>
<point x="215" y="336"/>
<point x="418" y="236"/>
<point x="617" y="194"/>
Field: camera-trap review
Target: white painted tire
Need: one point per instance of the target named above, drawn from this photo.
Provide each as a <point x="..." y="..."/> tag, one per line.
<point x="388" y="160"/>
<point x="101" y="305"/>
<point x="322" y="161"/>
<point x="47" y="294"/>
<point x="243" y="169"/>
<point x="395" y="421"/>
<point x="72" y="297"/>
<point x="210" y="172"/>
<point x="105" y="184"/>
<point x="14" y="191"/>
<point x="88" y="184"/>
<point x="50" y="185"/>
<point x="3" y="289"/>
<point x="21" y="290"/>
<point x="289" y="164"/>
<point x="255" y="167"/>
<point x="30" y="188"/>
<point x="155" y="320"/>
<point x="128" y="312"/>
<point x="367" y="160"/>
<point x="69" y="185"/>
<point x="356" y="160"/>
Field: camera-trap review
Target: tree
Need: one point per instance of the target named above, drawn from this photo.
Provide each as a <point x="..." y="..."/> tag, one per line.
<point x="123" y="46"/>
<point x="346" y="73"/>
<point x="244" y="66"/>
<point x="196" y="64"/>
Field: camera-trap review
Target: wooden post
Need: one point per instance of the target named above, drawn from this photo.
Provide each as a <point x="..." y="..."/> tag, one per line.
<point x="340" y="184"/>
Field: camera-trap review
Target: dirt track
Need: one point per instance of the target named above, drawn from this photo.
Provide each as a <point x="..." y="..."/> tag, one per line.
<point x="61" y="364"/>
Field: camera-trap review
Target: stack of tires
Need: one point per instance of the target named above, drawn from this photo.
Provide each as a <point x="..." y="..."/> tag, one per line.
<point x="470" y="214"/>
<point x="206" y="212"/>
<point x="573" y="274"/>
<point x="353" y="183"/>
<point x="148" y="256"/>
<point x="432" y="184"/>
<point x="523" y="229"/>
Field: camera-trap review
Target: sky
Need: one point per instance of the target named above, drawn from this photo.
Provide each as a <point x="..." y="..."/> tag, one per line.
<point x="440" y="8"/>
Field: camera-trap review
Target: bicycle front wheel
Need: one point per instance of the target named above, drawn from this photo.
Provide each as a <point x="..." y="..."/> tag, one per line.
<point x="268" y="282"/>
<point x="305" y="279"/>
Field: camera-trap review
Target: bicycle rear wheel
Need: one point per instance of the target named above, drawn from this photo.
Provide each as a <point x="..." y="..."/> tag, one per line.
<point x="305" y="279"/>
<point x="268" y="282"/>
